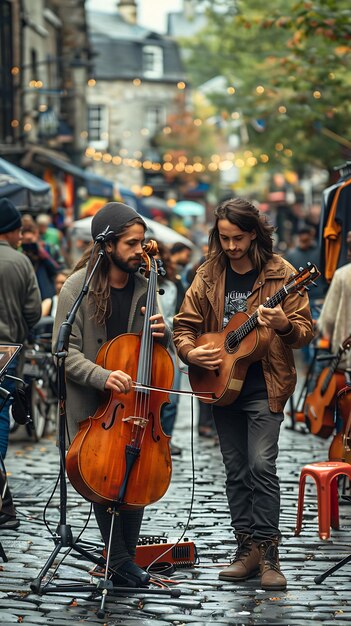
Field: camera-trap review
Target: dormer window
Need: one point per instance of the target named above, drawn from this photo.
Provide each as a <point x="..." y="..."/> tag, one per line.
<point x="152" y="61"/>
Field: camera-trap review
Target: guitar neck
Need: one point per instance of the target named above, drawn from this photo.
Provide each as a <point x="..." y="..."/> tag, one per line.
<point x="334" y="364"/>
<point x="251" y="322"/>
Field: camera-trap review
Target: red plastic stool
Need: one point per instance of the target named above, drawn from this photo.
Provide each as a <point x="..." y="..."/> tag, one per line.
<point x="325" y="476"/>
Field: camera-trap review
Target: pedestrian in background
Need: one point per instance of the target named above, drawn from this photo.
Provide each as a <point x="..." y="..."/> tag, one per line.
<point x="45" y="266"/>
<point x="169" y="304"/>
<point x="334" y="321"/>
<point x="306" y="250"/>
<point x="180" y="257"/>
<point x="20" y="310"/>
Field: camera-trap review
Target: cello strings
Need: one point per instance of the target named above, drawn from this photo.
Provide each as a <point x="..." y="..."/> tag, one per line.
<point x="142" y="401"/>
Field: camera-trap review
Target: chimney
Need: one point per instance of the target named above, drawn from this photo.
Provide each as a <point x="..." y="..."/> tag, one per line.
<point x="189" y="9"/>
<point x="128" y="10"/>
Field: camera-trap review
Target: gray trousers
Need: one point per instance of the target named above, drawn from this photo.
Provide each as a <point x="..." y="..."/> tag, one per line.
<point x="248" y="434"/>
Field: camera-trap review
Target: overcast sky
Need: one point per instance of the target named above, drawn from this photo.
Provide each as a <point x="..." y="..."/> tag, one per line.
<point x="151" y="13"/>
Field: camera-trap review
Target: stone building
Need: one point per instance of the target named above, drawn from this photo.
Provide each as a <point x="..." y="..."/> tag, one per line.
<point x="140" y="80"/>
<point x="45" y="64"/>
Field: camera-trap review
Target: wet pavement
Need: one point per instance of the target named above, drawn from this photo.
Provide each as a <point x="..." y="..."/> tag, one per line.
<point x="197" y="513"/>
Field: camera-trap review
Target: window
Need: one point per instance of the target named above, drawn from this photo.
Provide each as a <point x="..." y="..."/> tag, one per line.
<point x="98" y="126"/>
<point x="152" y="61"/>
<point x="155" y="118"/>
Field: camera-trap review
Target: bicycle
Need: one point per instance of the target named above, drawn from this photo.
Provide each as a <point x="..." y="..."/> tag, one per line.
<point x="39" y="374"/>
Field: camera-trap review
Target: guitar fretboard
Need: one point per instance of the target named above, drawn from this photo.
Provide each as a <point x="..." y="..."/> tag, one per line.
<point x="233" y="338"/>
<point x="334" y="364"/>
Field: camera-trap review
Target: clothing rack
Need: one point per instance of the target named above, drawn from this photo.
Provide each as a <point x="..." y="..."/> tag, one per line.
<point x="344" y="169"/>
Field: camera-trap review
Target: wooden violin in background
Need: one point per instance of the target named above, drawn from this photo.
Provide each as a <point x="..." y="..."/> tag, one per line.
<point x="121" y="454"/>
<point x="339" y="449"/>
<point x="241" y="342"/>
<point x="320" y="403"/>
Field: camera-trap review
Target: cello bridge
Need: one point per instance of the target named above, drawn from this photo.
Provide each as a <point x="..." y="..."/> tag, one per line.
<point x="138" y="421"/>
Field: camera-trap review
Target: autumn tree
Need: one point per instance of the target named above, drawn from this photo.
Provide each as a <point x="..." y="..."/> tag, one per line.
<point x="287" y="68"/>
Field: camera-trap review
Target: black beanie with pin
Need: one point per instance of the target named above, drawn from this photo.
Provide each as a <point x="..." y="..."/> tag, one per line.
<point x="113" y="216"/>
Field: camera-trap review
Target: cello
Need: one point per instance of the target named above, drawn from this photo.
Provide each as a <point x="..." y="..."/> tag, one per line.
<point x="320" y="403"/>
<point x="121" y="455"/>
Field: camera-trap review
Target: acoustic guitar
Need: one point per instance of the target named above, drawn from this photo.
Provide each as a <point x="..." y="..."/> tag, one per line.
<point x="320" y="403"/>
<point x="241" y="343"/>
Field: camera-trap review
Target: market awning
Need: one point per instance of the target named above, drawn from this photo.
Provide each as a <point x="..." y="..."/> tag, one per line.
<point x="96" y="185"/>
<point x="27" y="192"/>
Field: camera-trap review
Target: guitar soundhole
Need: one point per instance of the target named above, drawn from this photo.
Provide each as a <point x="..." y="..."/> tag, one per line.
<point x="232" y="342"/>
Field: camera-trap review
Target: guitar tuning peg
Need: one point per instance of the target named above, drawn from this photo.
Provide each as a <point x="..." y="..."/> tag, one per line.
<point x="301" y="293"/>
<point x="300" y="268"/>
<point x="307" y="288"/>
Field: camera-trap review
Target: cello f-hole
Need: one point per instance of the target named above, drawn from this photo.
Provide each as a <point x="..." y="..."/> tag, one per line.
<point x="155" y="438"/>
<point x="107" y="426"/>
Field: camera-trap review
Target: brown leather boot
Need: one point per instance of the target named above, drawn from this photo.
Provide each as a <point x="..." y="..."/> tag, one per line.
<point x="271" y="576"/>
<point x="246" y="563"/>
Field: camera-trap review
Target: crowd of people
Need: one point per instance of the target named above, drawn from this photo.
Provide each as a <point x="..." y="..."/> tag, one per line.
<point x="236" y="270"/>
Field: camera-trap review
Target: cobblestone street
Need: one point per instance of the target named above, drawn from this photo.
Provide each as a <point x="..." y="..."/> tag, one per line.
<point x="33" y="469"/>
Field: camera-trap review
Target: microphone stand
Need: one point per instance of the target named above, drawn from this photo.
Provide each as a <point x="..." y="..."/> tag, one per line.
<point x="64" y="537"/>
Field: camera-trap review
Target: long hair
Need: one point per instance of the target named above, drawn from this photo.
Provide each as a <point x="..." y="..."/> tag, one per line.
<point x="245" y="216"/>
<point x="100" y="290"/>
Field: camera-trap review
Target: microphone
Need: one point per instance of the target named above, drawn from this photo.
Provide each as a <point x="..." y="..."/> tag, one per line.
<point x="101" y="238"/>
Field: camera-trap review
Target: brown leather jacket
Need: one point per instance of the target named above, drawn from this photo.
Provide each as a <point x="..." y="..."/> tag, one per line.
<point x="202" y="311"/>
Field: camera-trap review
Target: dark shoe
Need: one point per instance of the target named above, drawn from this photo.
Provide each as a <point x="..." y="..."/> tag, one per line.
<point x="129" y="574"/>
<point x="175" y="451"/>
<point x="272" y="579"/>
<point x="246" y="563"/>
<point x="8" y="522"/>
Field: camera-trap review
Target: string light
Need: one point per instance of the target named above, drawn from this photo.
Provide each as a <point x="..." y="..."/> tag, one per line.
<point x="182" y="164"/>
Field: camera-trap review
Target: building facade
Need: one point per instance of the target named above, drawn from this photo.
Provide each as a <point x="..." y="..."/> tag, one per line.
<point x="139" y="77"/>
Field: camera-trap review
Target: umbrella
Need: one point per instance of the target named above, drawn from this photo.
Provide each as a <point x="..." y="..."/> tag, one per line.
<point x="153" y="202"/>
<point x="186" y="208"/>
<point x="27" y="192"/>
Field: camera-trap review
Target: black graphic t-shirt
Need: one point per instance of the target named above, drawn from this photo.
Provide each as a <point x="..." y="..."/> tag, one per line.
<point x="238" y="287"/>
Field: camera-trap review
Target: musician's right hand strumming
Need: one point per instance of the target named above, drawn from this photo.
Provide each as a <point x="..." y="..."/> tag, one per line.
<point x="206" y="356"/>
<point x="119" y="381"/>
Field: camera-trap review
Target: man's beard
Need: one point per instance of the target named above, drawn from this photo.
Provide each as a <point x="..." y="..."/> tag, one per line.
<point x="125" y="266"/>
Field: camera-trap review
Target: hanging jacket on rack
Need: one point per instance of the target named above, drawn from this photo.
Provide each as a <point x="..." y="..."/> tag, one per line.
<point x="335" y="222"/>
